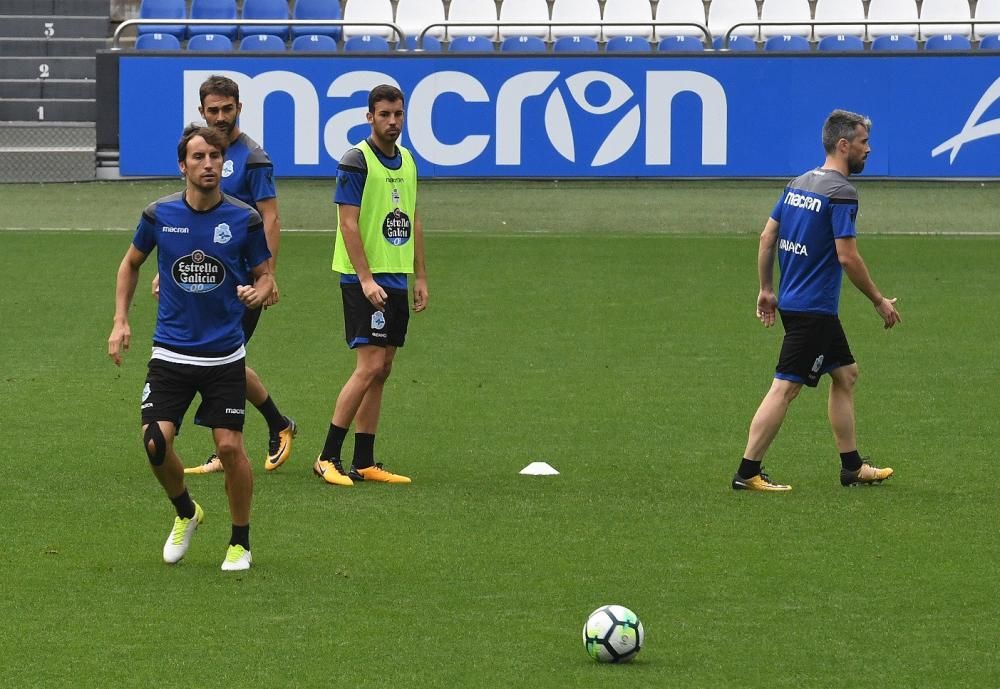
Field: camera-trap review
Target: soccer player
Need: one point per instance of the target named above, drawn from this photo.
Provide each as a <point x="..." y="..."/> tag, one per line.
<point x="811" y="229"/>
<point x="204" y="242"/>
<point x="379" y="241"/>
<point x="248" y="174"/>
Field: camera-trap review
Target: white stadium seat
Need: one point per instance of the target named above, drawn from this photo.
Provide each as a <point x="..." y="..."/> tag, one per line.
<point x="368" y="11"/>
<point x="840" y="11"/>
<point x="413" y="16"/>
<point x="628" y="11"/>
<point x="723" y="14"/>
<point x="987" y="9"/>
<point x="576" y="11"/>
<point x="473" y="11"/>
<point x="947" y="10"/>
<point x="893" y="10"/>
<point x="786" y="11"/>
<point x="680" y="11"/>
<point x="524" y="11"/>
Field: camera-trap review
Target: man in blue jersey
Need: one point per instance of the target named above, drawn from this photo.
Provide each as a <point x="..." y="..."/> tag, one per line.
<point x="205" y="242"/>
<point x="248" y="174"/>
<point x="379" y="241"/>
<point x="811" y="229"/>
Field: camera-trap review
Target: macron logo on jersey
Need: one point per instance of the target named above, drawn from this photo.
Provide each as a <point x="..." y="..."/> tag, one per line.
<point x="793" y="247"/>
<point x="810" y="203"/>
<point x="176" y="230"/>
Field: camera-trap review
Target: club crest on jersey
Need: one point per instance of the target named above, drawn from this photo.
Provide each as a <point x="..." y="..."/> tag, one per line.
<point x="222" y="233"/>
<point x="396" y="228"/>
<point x="198" y="272"/>
<point x="395" y="197"/>
<point x="227" y="168"/>
<point x="378" y="320"/>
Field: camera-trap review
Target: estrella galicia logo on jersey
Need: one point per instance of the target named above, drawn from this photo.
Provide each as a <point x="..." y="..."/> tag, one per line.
<point x="396" y="228"/>
<point x="378" y="320"/>
<point x="198" y="272"/>
<point x="227" y="168"/>
<point x="145" y="393"/>
<point x="222" y="233"/>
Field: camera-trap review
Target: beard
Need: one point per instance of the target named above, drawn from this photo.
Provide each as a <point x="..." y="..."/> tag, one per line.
<point x="855" y="166"/>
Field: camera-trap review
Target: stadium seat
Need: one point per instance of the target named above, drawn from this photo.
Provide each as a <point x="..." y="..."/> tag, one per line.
<point x="470" y="44"/>
<point x="522" y="44"/>
<point x="366" y="44"/>
<point x="163" y="9"/>
<point x="894" y="43"/>
<point x="524" y="11"/>
<point x="737" y="44"/>
<point x="628" y="11"/>
<point x="987" y="9"/>
<point x="945" y="10"/>
<point x="948" y="43"/>
<point x="473" y="11"/>
<point x="627" y="44"/>
<point x="213" y="9"/>
<point x="265" y="9"/>
<point x="430" y="45"/>
<point x="316" y="9"/>
<point x="681" y="44"/>
<point x="264" y="42"/>
<point x="157" y="41"/>
<point x="413" y="16"/>
<point x="576" y="11"/>
<point x="785" y="11"/>
<point x="210" y="43"/>
<point x="895" y="11"/>
<point x="840" y="44"/>
<point x="575" y="44"/>
<point x="314" y="43"/>
<point x="990" y="43"/>
<point x="786" y="44"/>
<point x="368" y="11"/>
<point x="691" y="11"/>
<point x="724" y="14"/>
<point x="840" y="11"/>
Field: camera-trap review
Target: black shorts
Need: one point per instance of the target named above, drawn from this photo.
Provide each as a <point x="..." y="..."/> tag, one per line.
<point x="814" y="344"/>
<point x="250" y="319"/>
<point x="366" y="325"/>
<point x="171" y="387"/>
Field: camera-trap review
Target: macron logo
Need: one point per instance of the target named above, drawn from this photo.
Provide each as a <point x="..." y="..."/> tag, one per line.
<point x="810" y="203"/>
<point x="176" y="230"/>
<point x="974" y="129"/>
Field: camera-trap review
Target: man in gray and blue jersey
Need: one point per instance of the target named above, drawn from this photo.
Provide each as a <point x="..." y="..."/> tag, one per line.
<point x="812" y="232"/>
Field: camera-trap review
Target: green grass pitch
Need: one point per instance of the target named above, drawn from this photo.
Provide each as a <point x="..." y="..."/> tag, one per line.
<point x="605" y="328"/>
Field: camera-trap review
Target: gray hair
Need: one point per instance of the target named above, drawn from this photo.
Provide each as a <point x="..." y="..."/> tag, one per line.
<point x="842" y="124"/>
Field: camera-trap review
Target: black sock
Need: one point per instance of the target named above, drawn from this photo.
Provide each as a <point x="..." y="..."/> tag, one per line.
<point x="184" y="505"/>
<point x="748" y="468"/>
<point x="241" y="536"/>
<point x="364" y="450"/>
<point x="334" y="442"/>
<point x="275" y="421"/>
<point x="850" y="460"/>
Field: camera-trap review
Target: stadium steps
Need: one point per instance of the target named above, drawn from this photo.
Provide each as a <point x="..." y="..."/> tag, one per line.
<point x="47" y="88"/>
<point x="67" y="150"/>
<point x="54" y="47"/>
<point x="48" y="68"/>
<point x="89" y="8"/>
<point x="48" y="110"/>
<point x="55" y="27"/>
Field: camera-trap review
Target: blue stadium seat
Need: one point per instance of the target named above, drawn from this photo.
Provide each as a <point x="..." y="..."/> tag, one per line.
<point x="990" y="43"/>
<point x="737" y="44"/>
<point x="431" y="44"/>
<point x="787" y="44"/>
<point x="316" y="9"/>
<point x="210" y="43"/>
<point x="948" y="43"/>
<point x="213" y="9"/>
<point x="470" y="44"/>
<point x="894" y="43"/>
<point x="265" y="9"/>
<point x="314" y="43"/>
<point x="157" y="41"/>
<point x="575" y="44"/>
<point x="627" y="44"/>
<point x="163" y="9"/>
<point x="840" y="44"/>
<point x="366" y="44"/>
<point x="264" y="42"/>
<point x="522" y="44"/>
<point x="681" y="44"/>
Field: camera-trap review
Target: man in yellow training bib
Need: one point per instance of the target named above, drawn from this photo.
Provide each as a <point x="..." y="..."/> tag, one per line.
<point x="379" y="242"/>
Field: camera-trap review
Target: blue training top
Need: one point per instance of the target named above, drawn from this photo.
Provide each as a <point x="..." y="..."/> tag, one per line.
<point x="248" y="173"/>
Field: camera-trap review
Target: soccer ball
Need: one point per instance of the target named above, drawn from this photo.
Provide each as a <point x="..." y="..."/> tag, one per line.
<point x="613" y="634"/>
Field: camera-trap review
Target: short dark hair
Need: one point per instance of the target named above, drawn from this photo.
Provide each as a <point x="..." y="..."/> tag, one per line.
<point x="217" y="85"/>
<point x="842" y="124"/>
<point x="384" y="92"/>
<point x="212" y="136"/>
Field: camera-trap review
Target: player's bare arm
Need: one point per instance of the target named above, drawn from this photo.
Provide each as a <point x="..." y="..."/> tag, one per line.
<point x="419" y="266"/>
<point x="349" y="216"/>
<point x="857" y="272"/>
<point x="767" y="301"/>
<point x="125" y="284"/>
<point x="268" y="209"/>
<point x="256" y="295"/>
